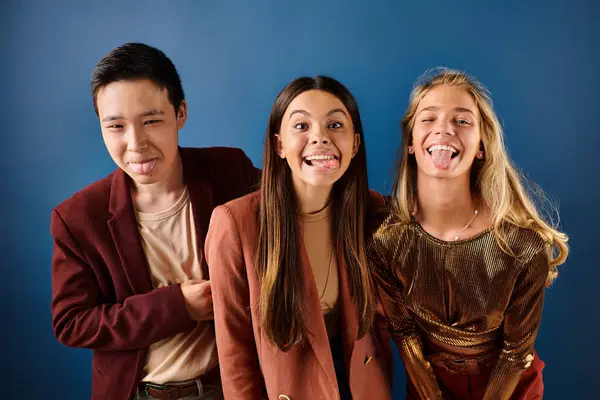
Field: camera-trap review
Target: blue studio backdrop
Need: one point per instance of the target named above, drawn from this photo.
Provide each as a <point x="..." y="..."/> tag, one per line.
<point x="540" y="60"/>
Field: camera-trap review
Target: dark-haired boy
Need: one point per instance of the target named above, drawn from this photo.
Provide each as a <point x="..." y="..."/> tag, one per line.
<point x="129" y="279"/>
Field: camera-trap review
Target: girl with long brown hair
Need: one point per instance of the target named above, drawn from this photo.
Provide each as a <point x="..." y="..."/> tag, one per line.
<point x="462" y="260"/>
<point x="295" y="313"/>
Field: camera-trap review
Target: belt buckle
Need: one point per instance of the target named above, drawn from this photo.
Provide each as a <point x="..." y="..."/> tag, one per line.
<point x="469" y="366"/>
<point x="170" y="391"/>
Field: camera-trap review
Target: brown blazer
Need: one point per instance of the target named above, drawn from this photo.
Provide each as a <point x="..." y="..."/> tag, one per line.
<point x="249" y="362"/>
<point x="102" y="295"/>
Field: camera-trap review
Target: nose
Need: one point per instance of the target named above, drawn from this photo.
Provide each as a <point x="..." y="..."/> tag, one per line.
<point x="136" y="140"/>
<point x="319" y="135"/>
<point x="444" y="127"/>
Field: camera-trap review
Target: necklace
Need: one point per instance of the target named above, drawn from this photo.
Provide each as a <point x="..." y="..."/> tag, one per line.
<point x="328" y="272"/>
<point x="467" y="225"/>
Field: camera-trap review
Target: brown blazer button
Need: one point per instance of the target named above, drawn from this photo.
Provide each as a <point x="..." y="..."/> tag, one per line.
<point x="284" y="397"/>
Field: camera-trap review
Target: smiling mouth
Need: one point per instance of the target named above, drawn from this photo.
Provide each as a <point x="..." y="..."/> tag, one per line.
<point x="442" y="155"/>
<point x="442" y="147"/>
<point x="309" y="160"/>
<point x="322" y="160"/>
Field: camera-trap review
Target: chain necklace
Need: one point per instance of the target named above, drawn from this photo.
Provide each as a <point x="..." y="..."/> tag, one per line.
<point x="328" y="272"/>
<point x="467" y="225"/>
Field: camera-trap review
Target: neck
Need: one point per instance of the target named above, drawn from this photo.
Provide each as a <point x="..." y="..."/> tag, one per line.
<point x="311" y="199"/>
<point x="160" y="195"/>
<point x="444" y="205"/>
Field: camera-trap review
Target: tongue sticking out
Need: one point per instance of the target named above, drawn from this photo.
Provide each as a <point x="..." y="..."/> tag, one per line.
<point x="441" y="158"/>
<point x="329" y="164"/>
<point x="143" y="168"/>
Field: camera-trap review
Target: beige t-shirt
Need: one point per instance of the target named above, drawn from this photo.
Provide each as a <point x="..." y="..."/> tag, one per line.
<point x="316" y="231"/>
<point x="170" y="244"/>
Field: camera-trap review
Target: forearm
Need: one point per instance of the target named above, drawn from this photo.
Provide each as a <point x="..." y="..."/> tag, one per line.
<point x="137" y="323"/>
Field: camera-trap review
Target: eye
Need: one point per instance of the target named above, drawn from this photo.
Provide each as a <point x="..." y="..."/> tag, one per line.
<point x="301" y="126"/>
<point x="335" y="125"/>
<point x="461" y="121"/>
<point x="428" y="119"/>
<point x="114" y="127"/>
<point x="151" y="121"/>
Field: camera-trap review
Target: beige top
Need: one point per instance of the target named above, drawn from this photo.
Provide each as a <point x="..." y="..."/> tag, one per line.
<point x="171" y="248"/>
<point x="316" y="233"/>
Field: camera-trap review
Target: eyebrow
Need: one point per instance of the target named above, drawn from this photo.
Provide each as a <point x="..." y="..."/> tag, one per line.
<point x="331" y="112"/>
<point x="336" y="110"/>
<point x="456" y="109"/>
<point x="144" y="114"/>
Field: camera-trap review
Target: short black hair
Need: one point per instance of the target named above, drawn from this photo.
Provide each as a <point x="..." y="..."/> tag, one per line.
<point x="133" y="61"/>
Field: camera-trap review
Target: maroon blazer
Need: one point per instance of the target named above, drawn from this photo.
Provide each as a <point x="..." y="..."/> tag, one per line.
<point x="102" y="295"/>
<point x="249" y="362"/>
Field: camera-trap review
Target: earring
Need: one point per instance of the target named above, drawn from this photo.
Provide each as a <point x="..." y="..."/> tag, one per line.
<point x="480" y="155"/>
<point x="410" y="150"/>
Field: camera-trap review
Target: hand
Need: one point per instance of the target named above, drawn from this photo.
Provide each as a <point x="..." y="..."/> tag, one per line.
<point x="198" y="299"/>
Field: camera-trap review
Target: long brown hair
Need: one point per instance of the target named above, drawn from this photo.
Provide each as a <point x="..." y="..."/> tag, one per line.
<point x="495" y="179"/>
<point x="282" y="292"/>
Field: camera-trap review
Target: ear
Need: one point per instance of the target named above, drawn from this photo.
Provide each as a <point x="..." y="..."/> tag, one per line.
<point x="481" y="153"/>
<point x="181" y="115"/>
<point x="356" y="145"/>
<point x="278" y="145"/>
<point x="410" y="148"/>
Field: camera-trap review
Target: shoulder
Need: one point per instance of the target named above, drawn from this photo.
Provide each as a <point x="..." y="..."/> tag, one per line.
<point x="377" y="211"/>
<point x="89" y="203"/>
<point x="230" y="170"/>
<point x="242" y="211"/>
<point x="525" y="243"/>
<point x="213" y="159"/>
<point x="376" y="200"/>
<point x="234" y="224"/>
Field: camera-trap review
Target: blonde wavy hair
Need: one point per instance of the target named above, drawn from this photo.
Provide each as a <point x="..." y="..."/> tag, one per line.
<point x="494" y="180"/>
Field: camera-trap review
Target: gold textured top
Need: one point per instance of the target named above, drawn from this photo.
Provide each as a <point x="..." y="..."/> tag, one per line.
<point x="467" y="293"/>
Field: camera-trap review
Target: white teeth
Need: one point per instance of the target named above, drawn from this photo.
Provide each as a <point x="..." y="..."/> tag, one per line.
<point x="319" y="157"/>
<point x="442" y="147"/>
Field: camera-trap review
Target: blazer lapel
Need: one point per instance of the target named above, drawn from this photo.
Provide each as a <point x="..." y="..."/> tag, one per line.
<point x="125" y="235"/>
<point x="202" y="197"/>
<point x="313" y="318"/>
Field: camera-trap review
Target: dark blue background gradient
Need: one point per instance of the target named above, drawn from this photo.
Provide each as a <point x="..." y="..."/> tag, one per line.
<point x="539" y="59"/>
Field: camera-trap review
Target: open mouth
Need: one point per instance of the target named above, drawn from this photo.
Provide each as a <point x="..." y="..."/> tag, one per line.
<point x="442" y="155"/>
<point x="328" y="161"/>
<point x="443" y="148"/>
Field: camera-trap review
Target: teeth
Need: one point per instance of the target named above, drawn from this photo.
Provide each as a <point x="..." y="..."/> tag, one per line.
<point x="442" y="147"/>
<point x="319" y="157"/>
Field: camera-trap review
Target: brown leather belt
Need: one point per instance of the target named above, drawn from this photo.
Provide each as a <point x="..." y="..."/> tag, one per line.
<point x="210" y="380"/>
<point x="465" y="365"/>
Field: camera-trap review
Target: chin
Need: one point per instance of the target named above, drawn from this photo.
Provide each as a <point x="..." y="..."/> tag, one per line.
<point x="143" y="179"/>
<point x="320" y="181"/>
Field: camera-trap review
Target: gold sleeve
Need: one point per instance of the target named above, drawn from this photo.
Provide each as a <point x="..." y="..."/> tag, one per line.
<point x="401" y="325"/>
<point x="521" y="322"/>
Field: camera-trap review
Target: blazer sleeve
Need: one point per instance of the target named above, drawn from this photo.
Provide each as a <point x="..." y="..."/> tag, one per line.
<point x="380" y="324"/>
<point x="238" y="358"/>
<point x="384" y="339"/>
<point x="80" y="319"/>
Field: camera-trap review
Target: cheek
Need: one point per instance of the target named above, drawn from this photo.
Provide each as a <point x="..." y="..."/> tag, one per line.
<point x="417" y="136"/>
<point x="114" y="143"/>
<point x="292" y="147"/>
<point x="471" y="140"/>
